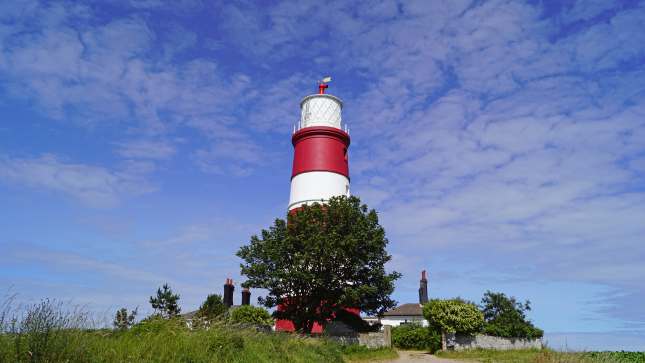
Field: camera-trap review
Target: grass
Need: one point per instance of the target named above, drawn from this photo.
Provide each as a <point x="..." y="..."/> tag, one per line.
<point x="47" y="332"/>
<point x="357" y="353"/>
<point x="543" y="356"/>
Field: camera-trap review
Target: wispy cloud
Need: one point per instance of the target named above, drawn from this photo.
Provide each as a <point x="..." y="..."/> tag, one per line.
<point x="145" y="149"/>
<point x="93" y="185"/>
<point x="75" y="69"/>
<point x="477" y="131"/>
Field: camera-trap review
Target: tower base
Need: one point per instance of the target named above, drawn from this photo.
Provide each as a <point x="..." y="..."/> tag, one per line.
<point x="287" y="325"/>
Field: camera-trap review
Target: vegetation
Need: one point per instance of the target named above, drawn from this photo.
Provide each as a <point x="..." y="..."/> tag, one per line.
<point x="506" y="317"/>
<point x="166" y="302"/>
<point x="359" y="353"/>
<point x="543" y="356"/>
<point x="123" y="320"/>
<point x="48" y="332"/>
<point x="322" y="259"/>
<point x="247" y="314"/>
<point x="498" y="315"/>
<point x="453" y="316"/>
<point x="414" y="336"/>
<point x="212" y="307"/>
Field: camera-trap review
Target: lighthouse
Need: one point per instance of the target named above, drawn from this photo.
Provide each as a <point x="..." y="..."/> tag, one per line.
<point x="320" y="166"/>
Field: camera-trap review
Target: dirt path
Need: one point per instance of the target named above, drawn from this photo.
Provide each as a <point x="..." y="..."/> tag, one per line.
<point x="421" y="357"/>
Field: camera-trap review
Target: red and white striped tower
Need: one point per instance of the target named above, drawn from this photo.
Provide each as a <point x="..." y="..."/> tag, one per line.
<point x="320" y="167"/>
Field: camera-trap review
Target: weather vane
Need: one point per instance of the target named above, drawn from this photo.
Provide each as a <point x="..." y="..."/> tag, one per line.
<point x="322" y="84"/>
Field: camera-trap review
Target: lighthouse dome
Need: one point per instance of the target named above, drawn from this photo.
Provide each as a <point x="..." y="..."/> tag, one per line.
<point x="321" y="110"/>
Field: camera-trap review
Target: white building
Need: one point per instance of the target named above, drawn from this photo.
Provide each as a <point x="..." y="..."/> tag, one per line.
<point x="409" y="313"/>
<point x="404" y="314"/>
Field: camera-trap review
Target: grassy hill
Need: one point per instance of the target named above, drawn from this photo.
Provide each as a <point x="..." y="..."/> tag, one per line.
<point x="49" y="334"/>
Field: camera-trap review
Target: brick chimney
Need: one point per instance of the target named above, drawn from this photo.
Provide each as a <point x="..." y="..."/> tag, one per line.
<point x="246" y="296"/>
<point x="423" y="288"/>
<point x="228" y="292"/>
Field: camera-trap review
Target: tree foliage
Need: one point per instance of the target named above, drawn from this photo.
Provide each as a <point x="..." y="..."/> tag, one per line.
<point x="165" y="303"/>
<point x="506" y="317"/>
<point x="453" y="316"/>
<point x="123" y="320"/>
<point x="248" y="314"/>
<point x="212" y="307"/>
<point x="324" y="258"/>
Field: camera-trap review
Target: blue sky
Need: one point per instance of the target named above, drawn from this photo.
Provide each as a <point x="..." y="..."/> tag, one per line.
<point x="502" y="142"/>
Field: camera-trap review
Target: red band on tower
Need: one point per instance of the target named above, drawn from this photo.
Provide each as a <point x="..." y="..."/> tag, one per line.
<point x="320" y="148"/>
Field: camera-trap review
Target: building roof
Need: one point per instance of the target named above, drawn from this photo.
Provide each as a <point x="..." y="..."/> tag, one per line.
<point x="414" y="309"/>
<point x="189" y="315"/>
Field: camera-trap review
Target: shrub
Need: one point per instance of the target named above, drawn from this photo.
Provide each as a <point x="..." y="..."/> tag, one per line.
<point x="506" y="317"/>
<point x="212" y="307"/>
<point x="248" y="314"/>
<point x="453" y="316"/>
<point x="413" y="336"/>
<point x="155" y="324"/>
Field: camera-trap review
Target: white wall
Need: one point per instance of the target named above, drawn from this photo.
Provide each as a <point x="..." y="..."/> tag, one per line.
<point x="398" y="320"/>
<point x="314" y="186"/>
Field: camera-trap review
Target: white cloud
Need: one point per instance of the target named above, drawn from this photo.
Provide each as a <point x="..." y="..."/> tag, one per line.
<point x="95" y="73"/>
<point x="92" y="185"/>
<point x="145" y="149"/>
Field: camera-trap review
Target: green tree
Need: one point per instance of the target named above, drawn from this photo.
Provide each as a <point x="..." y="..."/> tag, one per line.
<point x="453" y="316"/>
<point x="165" y="303"/>
<point x="324" y="258"/>
<point x="212" y="307"/>
<point x="506" y="317"/>
<point x="248" y="314"/>
<point x="123" y="320"/>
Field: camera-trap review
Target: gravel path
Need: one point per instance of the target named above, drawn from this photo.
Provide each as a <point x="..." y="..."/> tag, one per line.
<point x="421" y="357"/>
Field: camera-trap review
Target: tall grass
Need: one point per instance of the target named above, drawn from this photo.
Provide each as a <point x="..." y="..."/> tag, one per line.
<point x="49" y="332"/>
<point x="543" y="356"/>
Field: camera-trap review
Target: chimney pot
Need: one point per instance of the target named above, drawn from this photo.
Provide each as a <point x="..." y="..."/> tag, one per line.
<point x="228" y="292"/>
<point x="423" y="288"/>
<point x="246" y="296"/>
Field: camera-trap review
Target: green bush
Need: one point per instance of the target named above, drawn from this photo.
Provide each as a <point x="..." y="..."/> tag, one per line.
<point x="212" y="307"/>
<point x="506" y="317"/>
<point x="248" y="314"/>
<point x="453" y="316"/>
<point x="413" y="336"/>
<point x="512" y="330"/>
<point x="155" y="324"/>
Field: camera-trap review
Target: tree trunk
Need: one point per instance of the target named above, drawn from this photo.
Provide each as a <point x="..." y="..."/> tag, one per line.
<point x="444" y="343"/>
